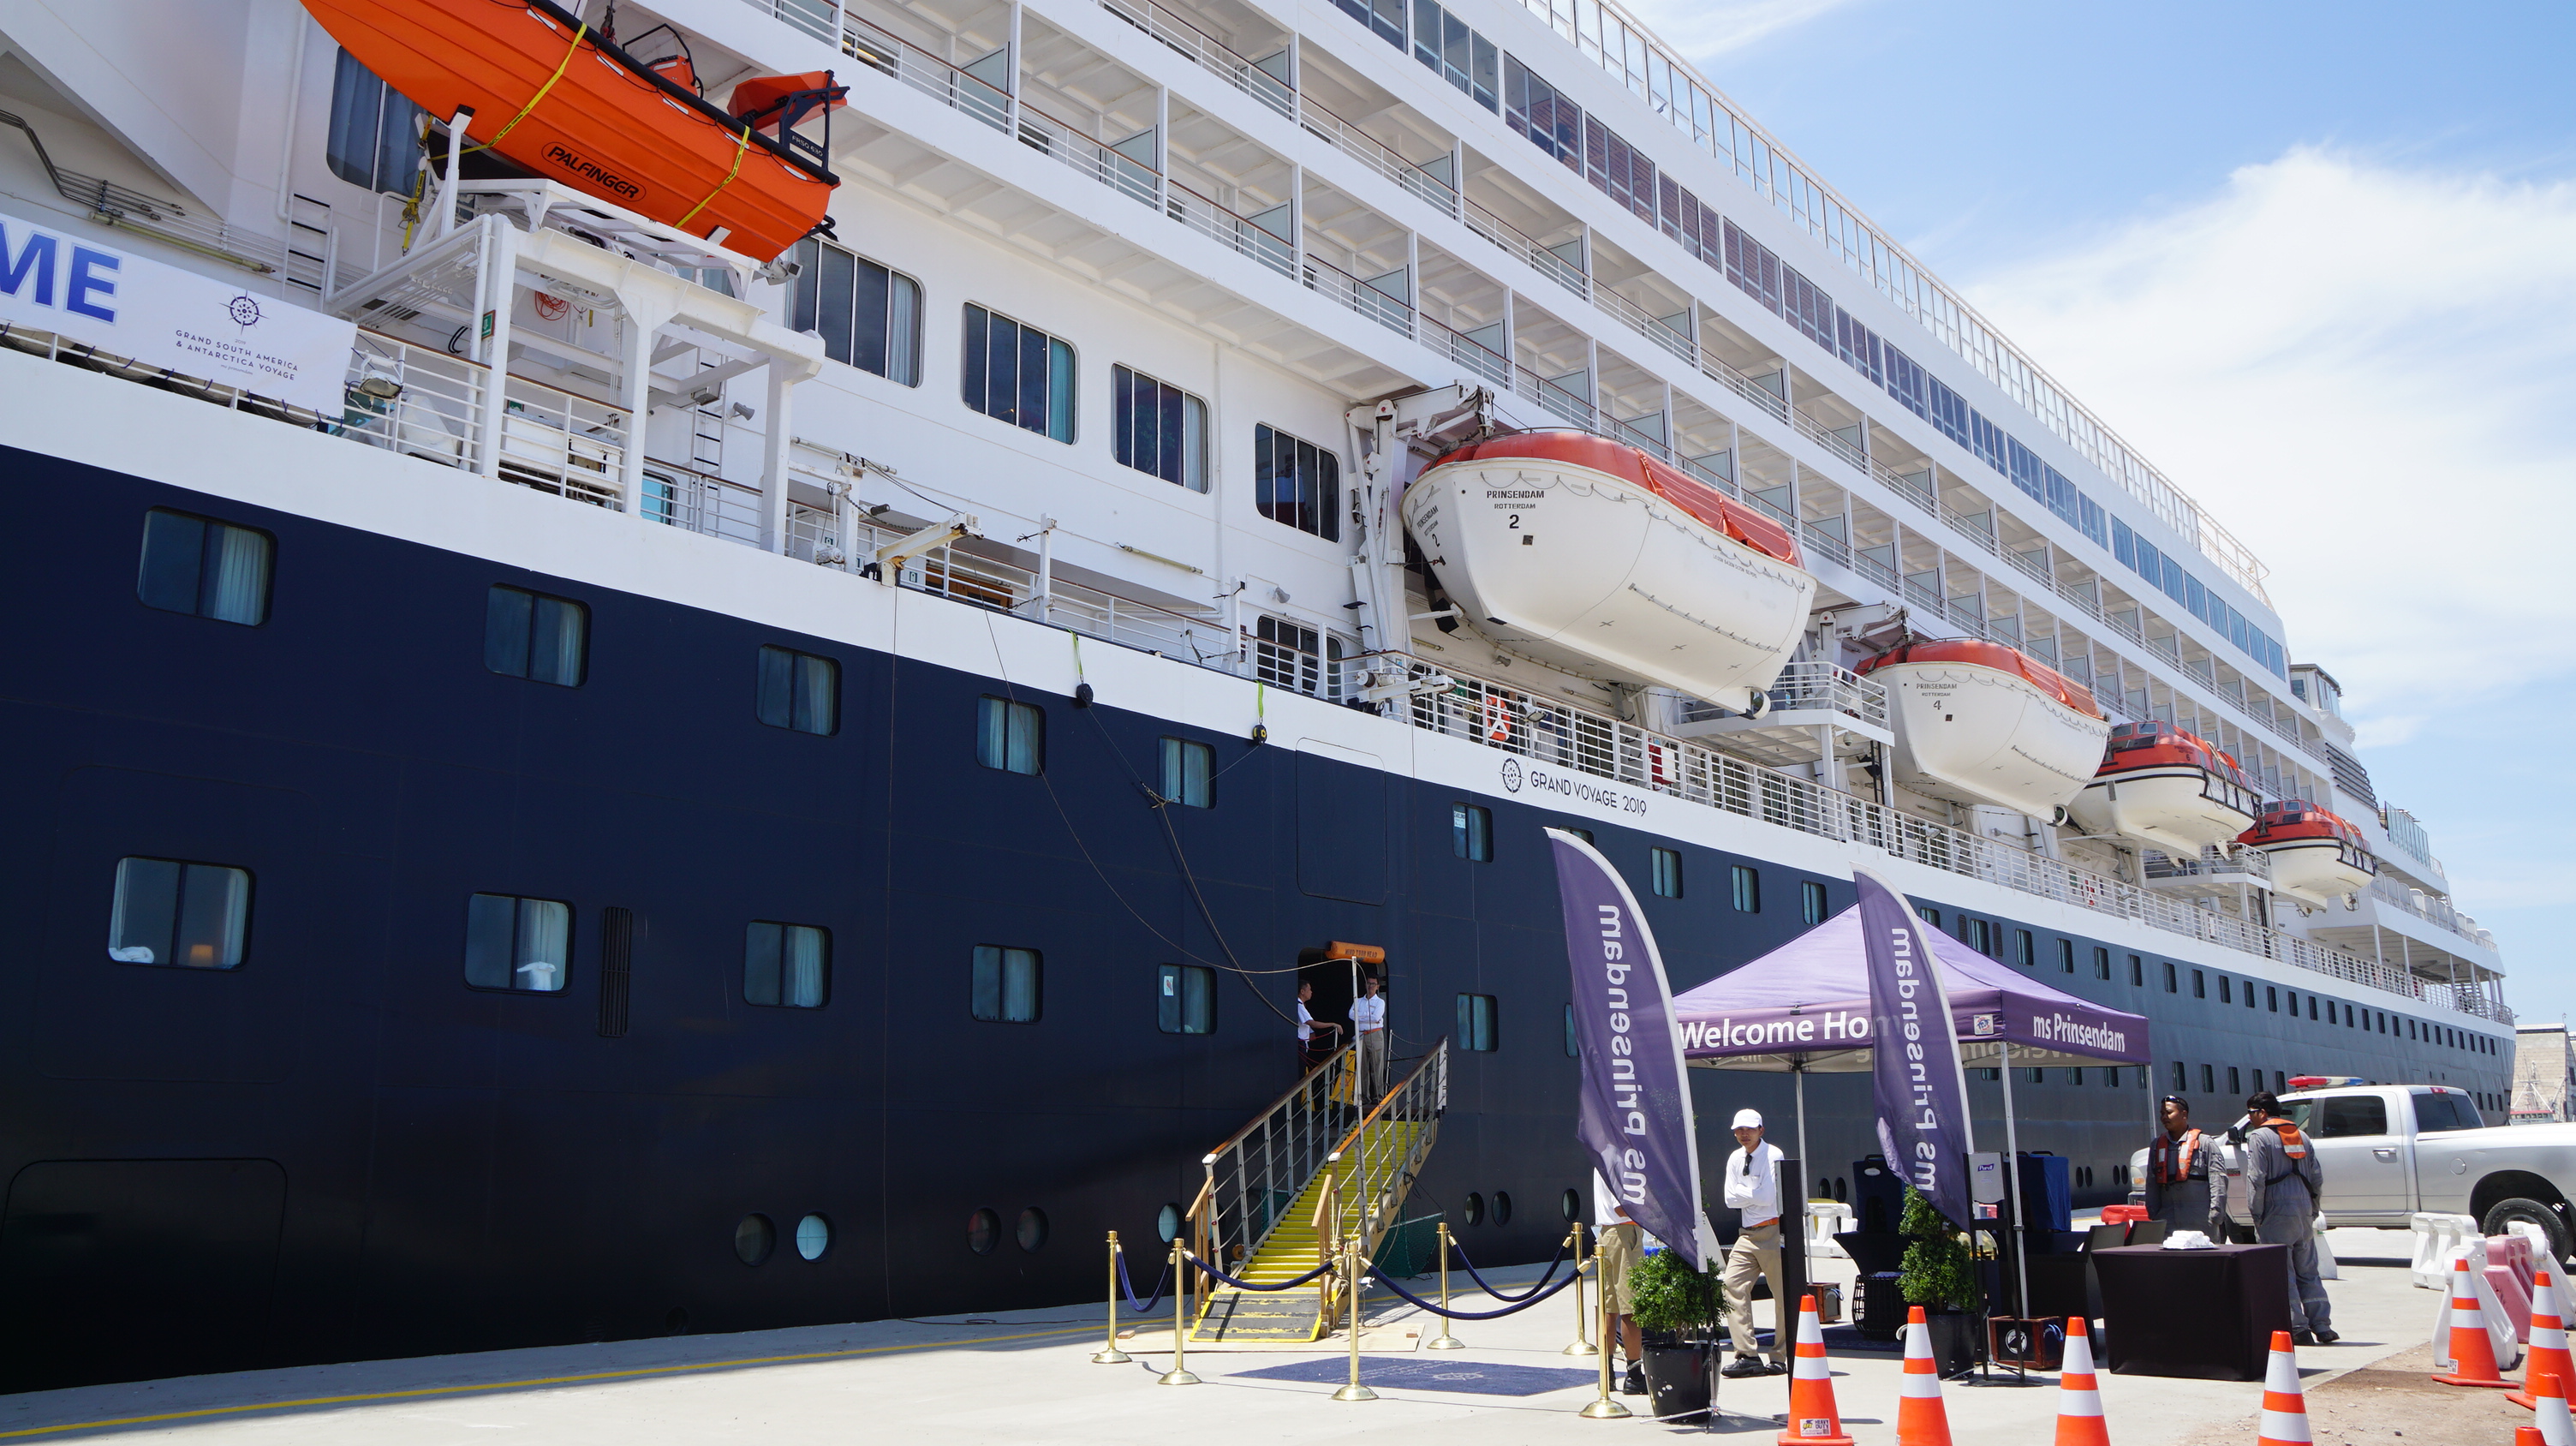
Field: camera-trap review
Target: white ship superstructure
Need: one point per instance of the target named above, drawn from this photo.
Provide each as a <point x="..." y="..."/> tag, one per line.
<point x="1136" y="321"/>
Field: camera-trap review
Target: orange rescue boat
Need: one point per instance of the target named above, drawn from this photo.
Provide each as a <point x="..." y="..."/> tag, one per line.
<point x="552" y="96"/>
<point x="2316" y="855"/>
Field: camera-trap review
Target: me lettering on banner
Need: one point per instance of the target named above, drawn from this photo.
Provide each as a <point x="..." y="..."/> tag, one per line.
<point x="129" y="305"/>
<point x="1917" y="1085"/>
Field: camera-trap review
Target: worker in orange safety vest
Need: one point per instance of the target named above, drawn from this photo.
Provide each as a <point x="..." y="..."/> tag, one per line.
<point x="2178" y="1183"/>
<point x="2283" y="1183"/>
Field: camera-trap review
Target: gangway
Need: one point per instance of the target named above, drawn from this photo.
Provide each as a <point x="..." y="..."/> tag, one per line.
<point x="1308" y="1172"/>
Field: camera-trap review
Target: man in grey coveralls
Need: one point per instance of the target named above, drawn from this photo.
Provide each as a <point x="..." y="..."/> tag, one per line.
<point x="2283" y="1184"/>
<point x="2178" y="1174"/>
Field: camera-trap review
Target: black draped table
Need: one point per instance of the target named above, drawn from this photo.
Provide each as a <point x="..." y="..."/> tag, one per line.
<point x="2202" y="1314"/>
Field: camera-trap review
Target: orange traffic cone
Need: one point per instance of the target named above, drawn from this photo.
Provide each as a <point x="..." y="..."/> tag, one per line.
<point x="2285" y="1406"/>
<point x="1813" y="1418"/>
<point x="2079" y="1396"/>
<point x="2472" y="1350"/>
<point x="2547" y="1355"/>
<point x="2549" y="1412"/>
<point x="2527" y="1436"/>
<point x="1921" y="1419"/>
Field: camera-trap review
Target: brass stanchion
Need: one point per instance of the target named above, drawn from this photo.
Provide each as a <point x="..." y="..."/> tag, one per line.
<point x="1109" y="1354"/>
<point x="1351" y="1282"/>
<point x="1179" y="1374"/>
<point x="1444" y="1341"/>
<point x="1605" y="1409"/>
<point x="1581" y="1346"/>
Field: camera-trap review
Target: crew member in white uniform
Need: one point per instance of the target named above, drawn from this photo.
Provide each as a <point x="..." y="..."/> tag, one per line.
<point x="1368" y="1022"/>
<point x="1314" y="1036"/>
<point x="1753" y="1188"/>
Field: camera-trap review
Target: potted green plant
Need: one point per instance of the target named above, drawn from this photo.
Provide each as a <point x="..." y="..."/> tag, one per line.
<point x="1940" y="1275"/>
<point x="1676" y="1309"/>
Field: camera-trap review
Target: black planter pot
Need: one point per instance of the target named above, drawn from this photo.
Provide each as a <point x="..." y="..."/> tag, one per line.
<point x="1958" y="1340"/>
<point x="1677" y="1374"/>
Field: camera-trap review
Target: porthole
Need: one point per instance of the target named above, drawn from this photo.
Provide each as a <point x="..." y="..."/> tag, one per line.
<point x="1475" y="1208"/>
<point x="753" y="1239"/>
<point x="1167" y="1223"/>
<point x="983" y="1232"/>
<point x="1502" y="1208"/>
<point x="1032" y="1229"/>
<point x="813" y="1237"/>
<point x="1572" y="1205"/>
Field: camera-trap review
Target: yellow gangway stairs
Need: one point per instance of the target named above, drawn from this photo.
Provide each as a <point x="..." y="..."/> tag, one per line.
<point x="1282" y="1196"/>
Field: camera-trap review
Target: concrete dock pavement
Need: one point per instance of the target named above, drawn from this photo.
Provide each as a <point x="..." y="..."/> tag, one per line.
<point x="1026" y="1376"/>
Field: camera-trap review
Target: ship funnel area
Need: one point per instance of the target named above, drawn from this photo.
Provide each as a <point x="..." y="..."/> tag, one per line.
<point x="1331" y="1159"/>
<point x="527" y="279"/>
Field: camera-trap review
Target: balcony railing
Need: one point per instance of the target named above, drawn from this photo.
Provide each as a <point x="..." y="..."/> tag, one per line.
<point x="1467" y="352"/>
<point x="1514" y="242"/>
<point x="1068" y="146"/>
<point x="1343" y="289"/>
<point x="1236" y="233"/>
<point x="1811" y="688"/>
<point x="888" y="54"/>
<point x="1210" y="54"/>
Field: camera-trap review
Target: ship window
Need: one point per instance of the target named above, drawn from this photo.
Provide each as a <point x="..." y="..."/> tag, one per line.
<point x="2169" y="976"/>
<point x="813" y="1237"/>
<point x="1931" y="918"/>
<point x="1473" y="1208"/>
<point x="1471" y="832"/>
<point x="2249" y="993"/>
<point x="1584" y="834"/>
<point x="2200" y="984"/>
<point x="2224" y="984"/>
<point x="1990" y="1075"/>
<point x="2280" y="1081"/>
<point x="1189" y="773"/>
<point x="799" y="691"/>
<point x="2075" y="1076"/>
<point x="2272" y="1001"/>
<point x="1031" y="1231"/>
<point x="1018" y="374"/>
<point x="1748" y="889"/>
<point x="1811" y="902"/>
<point x="1296" y="482"/>
<point x="204" y="568"/>
<point x="2312" y="1006"/>
<point x="375" y="133"/>
<point x="2178" y="1081"/>
<point x="1005" y="985"/>
<point x="2026" y="951"/>
<point x="187" y="916"/>
<point x="2208" y="1080"/>
<point x="2066" y="956"/>
<point x="2102" y="965"/>
<point x="1668" y="873"/>
<point x="983" y="1231"/>
<point x="2233" y="1086"/>
<point x="788" y="965"/>
<point x="1156" y="427"/>
<point x="868" y="316"/>
<point x="1301" y="659"/>
<point x="516" y="944"/>
<point x="753" y="1238"/>
<point x="1476" y="1023"/>
<point x="1573" y="1049"/>
<point x="1184" y="999"/>
<point x="530" y="635"/>
<point x="1010" y="736"/>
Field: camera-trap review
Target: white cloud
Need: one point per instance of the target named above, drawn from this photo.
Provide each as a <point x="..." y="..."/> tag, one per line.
<point x="1704" y="31"/>
<point x="2368" y="374"/>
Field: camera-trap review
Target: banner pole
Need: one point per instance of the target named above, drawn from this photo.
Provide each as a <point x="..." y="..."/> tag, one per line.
<point x="2012" y="1186"/>
<point x="1179" y="1374"/>
<point x="1109" y="1354"/>
<point x="1444" y="1341"/>
<point x="1351" y="1280"/>
<point x="1605" y="1409"/>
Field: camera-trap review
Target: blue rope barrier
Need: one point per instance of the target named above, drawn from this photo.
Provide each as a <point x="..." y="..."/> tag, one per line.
<point x="1544" y="1276"/>
<point x="1307" y="1279"/>
<point x="1127" y="1288"/>
<point x="1523" y="1304"/>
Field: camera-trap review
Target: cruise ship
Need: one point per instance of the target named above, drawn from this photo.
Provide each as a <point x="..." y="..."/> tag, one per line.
<point x="847" y="596"/>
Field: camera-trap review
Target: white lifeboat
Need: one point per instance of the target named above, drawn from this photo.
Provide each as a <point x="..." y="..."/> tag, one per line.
<point x="2315" y="855"/>
<point x="2168" y="787"/>
<point x="1593" y="557"/>
<point x="1979" y="722"/>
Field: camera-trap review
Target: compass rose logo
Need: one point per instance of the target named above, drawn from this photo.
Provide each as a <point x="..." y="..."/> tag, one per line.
<point x="1511" y="775"/>
<point x="245" y="310"/>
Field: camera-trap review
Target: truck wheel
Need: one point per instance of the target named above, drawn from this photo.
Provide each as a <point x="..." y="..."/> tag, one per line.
<point x="2505" y="1213"/>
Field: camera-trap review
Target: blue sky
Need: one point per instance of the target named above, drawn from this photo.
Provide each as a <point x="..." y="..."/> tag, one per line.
<point x="2319" y="264"/>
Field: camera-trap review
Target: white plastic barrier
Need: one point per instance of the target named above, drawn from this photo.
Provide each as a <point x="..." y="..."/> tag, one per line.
<point x="2500" y="1328"/>
<point x="2326" y="1267"/>
<point x="1824" y="1218"/>
<point x="2438" y="1238"/>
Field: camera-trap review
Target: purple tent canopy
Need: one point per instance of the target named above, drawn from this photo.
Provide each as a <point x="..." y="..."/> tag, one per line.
<point x="1806" y="1005"/>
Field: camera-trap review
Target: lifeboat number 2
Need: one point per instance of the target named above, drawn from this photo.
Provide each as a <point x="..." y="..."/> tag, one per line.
<point x="1512" y="523"/>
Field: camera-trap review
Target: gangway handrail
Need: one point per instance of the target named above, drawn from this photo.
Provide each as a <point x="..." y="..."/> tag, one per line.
<point x="1438" y="1055"/>
<point x="1266" y="1111"/>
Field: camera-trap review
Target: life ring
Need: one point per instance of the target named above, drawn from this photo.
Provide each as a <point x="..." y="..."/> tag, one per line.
<point x="1655" y="766"/>
<point x="1498" y="720"/>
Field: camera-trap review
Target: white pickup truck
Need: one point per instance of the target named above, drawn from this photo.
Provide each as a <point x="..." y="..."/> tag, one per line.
<point x="2390" y="1151"/>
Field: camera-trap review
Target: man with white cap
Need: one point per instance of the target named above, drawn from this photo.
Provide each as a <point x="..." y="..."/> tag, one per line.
<point x="1753" y="1188"/>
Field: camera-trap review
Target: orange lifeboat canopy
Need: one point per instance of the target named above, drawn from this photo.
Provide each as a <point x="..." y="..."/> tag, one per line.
<point x="1634" y="465"/>
<point x="1996" y="656"/>
<point x="2157" y="744"/>
<point x="2292" y="820"/>
<point x="552" y="97"/>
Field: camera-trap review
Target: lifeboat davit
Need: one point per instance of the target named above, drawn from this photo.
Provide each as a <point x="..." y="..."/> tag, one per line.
<point x="1979" y="722"/>
<point x="2168" y="787"/>
<point x="549" y="95"/>
<point x="1594" y="557"/>
<point x="2315" y="855"/>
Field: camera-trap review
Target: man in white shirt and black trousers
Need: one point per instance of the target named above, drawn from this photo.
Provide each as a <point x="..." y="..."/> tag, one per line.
<point x="1368" y="1026"/>
<point x="1753" y="1187"/>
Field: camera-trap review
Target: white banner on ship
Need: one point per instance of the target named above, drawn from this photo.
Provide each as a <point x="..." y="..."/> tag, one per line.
<point x="130" y="306"/>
